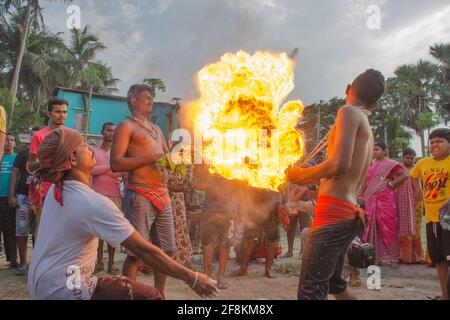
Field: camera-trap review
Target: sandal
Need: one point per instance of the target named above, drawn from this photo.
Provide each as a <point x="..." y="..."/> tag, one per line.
<point x="21" y="271"/>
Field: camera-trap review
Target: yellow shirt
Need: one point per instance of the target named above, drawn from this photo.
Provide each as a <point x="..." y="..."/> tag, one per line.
<point x="2" y="120"/>
<point x="436" y="185"/>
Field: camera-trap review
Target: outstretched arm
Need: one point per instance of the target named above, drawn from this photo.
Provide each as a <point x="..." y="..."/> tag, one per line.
<point x="347" y="125"/>
<point x="156" y="258"/>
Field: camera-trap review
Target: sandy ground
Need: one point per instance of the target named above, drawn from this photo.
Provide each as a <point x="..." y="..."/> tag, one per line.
<point x="409" y="282"/>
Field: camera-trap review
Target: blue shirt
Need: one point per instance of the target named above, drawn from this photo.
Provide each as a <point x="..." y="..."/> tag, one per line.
<point x="5" y="174"/>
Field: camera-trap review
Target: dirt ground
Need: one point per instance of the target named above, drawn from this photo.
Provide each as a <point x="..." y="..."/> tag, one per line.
<point x="409" y="282"/>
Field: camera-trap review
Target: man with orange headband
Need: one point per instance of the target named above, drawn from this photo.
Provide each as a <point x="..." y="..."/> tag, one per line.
<point x="336" y="220"/>
<point x="73" y="218"/>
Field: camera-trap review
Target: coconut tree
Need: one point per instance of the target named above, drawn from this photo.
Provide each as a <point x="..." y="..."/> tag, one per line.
<point x="441" y="52"/>
<point x="416" y="89"/>
<point x="84" y="47"/>
<point x="99" y="77"/>
<point x="155" y="85"/>
<point x="45" y="67"/>
<point x="386" y="120"/>
<point x="33" y="12"/>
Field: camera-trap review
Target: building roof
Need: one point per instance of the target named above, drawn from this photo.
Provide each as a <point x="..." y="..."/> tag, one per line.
<point x="108" y="96"/>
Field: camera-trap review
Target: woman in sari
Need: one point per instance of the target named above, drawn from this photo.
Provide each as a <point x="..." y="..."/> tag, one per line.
<point x="180" y="181"/>
<point x="411" y="250"/>
<point x="388" y="197"/>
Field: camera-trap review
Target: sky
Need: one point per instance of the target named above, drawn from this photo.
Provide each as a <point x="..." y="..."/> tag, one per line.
<point x="337" y="39"/>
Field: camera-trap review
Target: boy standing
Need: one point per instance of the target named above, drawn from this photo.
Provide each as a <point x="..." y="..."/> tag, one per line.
<point x="434" y="173"/>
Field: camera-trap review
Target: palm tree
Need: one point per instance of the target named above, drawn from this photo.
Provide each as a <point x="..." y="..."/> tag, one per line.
<point x="416" y="89"/>
<point x="99" y="78"/>
<point x="45" y="66"/>
<point x="10" y="30"/>
<point x="386" y="120"/>
<point x="84" y="47"/>
<point x="155" y="85"/>
<point x="33" y="11"/>
<point x="441" y="52"/>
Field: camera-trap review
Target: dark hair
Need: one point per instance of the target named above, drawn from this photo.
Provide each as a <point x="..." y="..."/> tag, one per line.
<point x="369" y="87"/>
<point x="107" y="124"/>
<point x="55" y="101"/>
<point x="10" y="134"/>
<point x="135" y="90"/>
<point x="409" y="151"/>
<point x="381" y="145"/>
<point x="443" y="133"/>
<point x="36" y="129"/>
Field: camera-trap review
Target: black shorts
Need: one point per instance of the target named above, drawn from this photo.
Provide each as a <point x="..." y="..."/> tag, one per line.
<point x="438" y="243"/>
<point x="7" y="217"/>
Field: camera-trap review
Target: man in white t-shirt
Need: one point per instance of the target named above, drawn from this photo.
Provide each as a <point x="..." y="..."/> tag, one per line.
<point x="73" y="218"/>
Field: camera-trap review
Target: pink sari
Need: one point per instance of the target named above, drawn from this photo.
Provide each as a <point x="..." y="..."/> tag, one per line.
<point x="391" y="211"/>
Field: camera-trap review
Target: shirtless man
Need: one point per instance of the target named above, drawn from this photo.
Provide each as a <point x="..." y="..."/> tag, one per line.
<point x="137" y="146"/>
<point x="342" y="175"/>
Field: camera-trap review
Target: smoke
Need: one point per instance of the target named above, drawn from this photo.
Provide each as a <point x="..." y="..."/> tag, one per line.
<point x="255" y="206"/>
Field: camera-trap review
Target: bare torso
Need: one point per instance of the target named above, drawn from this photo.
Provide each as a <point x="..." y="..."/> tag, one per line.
<point x="348" y="185"/>
<point x="142" y="143"/>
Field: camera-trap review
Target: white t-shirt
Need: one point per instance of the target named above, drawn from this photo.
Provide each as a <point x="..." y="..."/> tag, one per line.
<point x="63" y="260"/>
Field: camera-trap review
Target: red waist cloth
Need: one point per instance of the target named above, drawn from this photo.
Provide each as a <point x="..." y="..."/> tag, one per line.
<point x="331" y="210"/>
<point x="156" y="193"/>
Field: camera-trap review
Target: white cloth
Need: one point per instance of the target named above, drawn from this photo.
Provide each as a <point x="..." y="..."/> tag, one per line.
<point x="63" y="260"/>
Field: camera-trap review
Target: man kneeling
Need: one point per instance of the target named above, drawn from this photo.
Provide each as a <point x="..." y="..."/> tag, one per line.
<point x="73" y="218"/>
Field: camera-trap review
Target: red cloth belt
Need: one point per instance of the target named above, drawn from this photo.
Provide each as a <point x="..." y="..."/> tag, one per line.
<point x="156" y="193"/>
<point x="331" y="210"/>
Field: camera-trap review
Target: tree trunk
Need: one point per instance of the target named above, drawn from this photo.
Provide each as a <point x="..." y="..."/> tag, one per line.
<point x="33" y="101"/>
<point x="422" y="143"/>
<point x="88" y="114"/>
<point x="23" y="42"/>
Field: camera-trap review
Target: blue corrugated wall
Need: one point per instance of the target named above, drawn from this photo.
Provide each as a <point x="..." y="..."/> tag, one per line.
<point x="104" y="109"/>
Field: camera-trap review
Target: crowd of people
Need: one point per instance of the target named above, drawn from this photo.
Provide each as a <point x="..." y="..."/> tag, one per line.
<point x="71" y="197"/>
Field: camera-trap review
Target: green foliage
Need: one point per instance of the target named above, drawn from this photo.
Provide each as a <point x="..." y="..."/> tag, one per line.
<point x="155" y="85"/>
<point x="48" y="61"/>
<point x="25" y="118"/>
<point x="309" y="120"/>
<point x="289" y="268"/>
<point x="417" y="98"/>
<point x="427" y="120"/>
<point x="441" y="53"/>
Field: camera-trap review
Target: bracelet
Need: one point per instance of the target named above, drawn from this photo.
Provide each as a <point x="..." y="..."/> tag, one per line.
<point x="195" y="281"/>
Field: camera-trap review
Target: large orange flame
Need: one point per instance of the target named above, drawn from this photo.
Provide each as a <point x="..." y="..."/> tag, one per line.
<point x="247" y="136"/>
